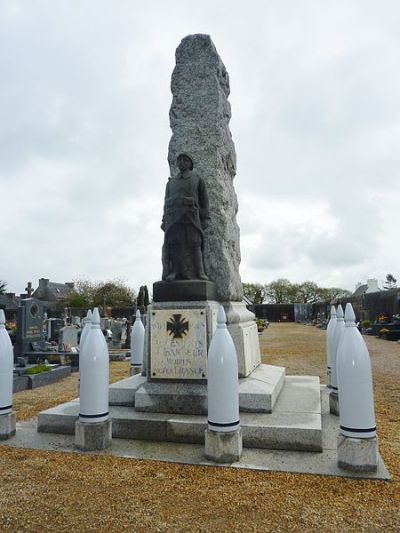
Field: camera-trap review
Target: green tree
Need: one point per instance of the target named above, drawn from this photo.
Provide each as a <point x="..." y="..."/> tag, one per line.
<point x="87" y="294"/>
<point x="140" y="298"/>
<point x="3" y="285"/>
<point x="306" y="293"/>
<point x="390" y="283"/>
<point x="255" y="292"/>
<point x="280" y="291"/>
<point x="115" y="293"/>
<point x="146" y="296"/>
<point x="82" y="296"/>
<point x="333" y="293"/>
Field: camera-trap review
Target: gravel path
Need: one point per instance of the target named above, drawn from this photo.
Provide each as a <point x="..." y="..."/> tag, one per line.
<point x="52" y="491"/>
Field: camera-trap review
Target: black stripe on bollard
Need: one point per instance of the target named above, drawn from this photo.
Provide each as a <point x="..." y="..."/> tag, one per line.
<point x="6" y="407"/>
<point x="94" y="416"/>
<point x="226" y="425"/>
<point x="358" y="430"/>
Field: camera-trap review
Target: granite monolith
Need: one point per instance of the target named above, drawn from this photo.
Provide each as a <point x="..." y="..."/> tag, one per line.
<point x="199" y="119"/>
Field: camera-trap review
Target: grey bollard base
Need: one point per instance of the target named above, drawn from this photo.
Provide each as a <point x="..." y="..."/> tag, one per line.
<point x="135" y="370"/>
<point x="7" y="426"/>
<point x="357" y="455"/>
<point x="223" y="447"/>
<point x="334" y="402"/>
<point x="91" y="437"/>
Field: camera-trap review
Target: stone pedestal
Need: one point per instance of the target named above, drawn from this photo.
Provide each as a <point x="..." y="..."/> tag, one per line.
<point x="223" y="447"/>
<point x="242" y="326"/>
<point x="7" y="426"/>
<point x="334" y="402"/>
<point x="184" y="290"/>
<point x="357" y="455"/>
<point x="91" y="437"/>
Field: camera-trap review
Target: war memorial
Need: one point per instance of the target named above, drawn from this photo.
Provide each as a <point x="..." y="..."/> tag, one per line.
<point x="198" y="301"/>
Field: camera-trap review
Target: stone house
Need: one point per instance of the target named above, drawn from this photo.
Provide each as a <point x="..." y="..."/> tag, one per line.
<point x="9" y="303"/>
<point x="52" y="294"/>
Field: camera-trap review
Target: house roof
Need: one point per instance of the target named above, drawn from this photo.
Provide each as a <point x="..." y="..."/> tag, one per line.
<point x="52" y="291"/>
<point x="6" y="302"/>
<point x="360" y="290"/>
<point x="59" y="290"/>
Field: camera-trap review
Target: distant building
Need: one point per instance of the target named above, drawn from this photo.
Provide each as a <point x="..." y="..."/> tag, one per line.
<point x="366" y="288"/>
<point x="51" y="293"/>
<point x="9" y="303"/>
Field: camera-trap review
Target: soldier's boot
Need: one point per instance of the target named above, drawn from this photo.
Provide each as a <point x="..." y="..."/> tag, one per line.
<point x="198" y="264"/>
<point x="174" y="252"/>
<point x="165" y="262"/>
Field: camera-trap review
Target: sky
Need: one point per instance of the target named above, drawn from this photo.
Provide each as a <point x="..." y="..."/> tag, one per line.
<point x="84" y="133"/>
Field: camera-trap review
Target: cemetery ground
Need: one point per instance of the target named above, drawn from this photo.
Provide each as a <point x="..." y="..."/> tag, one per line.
<point x="54" y="491"/>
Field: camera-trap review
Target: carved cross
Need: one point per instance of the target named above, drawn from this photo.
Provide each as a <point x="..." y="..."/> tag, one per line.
<point x="177" y="326"/>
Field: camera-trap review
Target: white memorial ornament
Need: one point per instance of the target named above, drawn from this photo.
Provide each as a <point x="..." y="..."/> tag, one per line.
<point x="94" y="374"/>
<point x="356" y="397"/>
<point x="6" y="368"/>
<point x="339" y="328"/>
<point x="87" y="324"/>
<point x="330" y="332"/>
<point x="137" y="342"/>
<point x="223" y="383"/>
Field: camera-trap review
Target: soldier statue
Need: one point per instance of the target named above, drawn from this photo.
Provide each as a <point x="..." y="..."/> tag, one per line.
<point x="186" y="216"/>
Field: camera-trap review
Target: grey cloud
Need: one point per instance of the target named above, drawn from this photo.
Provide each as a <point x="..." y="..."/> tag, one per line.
<point x="84" y="100"/>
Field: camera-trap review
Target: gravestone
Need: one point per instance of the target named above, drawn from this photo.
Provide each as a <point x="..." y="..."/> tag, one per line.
<point x="116" y="329"/>
<point x="199" y="119"/>
<point x="55" y="325"/>
<point x="124" y="331"/>
<point x="30" y="319"/>
<point x="67" y="338"/>
<point x="105" y="323"/>
<point x="76" y="320"/>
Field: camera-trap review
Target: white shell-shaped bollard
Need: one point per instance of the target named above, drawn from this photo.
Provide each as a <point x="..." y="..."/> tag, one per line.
<point x="356" y="396"/>
<point x="87" y="324"/>
<point x="223" y="383"/>
<point x="339" y="328"/>
<point x="94" y="374"/>
<point x="137" y="342"/>
<point x="6" y="368"/>
<point x="330" y="332"/>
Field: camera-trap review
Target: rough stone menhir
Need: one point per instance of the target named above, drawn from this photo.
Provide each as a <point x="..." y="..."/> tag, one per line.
<point x="199" y="119"/>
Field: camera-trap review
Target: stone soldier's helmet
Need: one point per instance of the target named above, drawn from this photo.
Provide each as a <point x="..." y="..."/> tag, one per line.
<point x="185" y="155"/>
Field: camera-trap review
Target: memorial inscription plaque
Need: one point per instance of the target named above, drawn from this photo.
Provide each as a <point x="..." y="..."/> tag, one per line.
<point x="179" y="344"/>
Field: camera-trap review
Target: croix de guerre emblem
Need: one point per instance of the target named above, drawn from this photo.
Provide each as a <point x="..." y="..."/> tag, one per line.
<point x="177" y="326"/>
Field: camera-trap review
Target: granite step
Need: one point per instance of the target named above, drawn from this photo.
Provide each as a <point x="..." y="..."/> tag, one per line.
<point x="258" y="393"/>
<point x="295" y="423"/>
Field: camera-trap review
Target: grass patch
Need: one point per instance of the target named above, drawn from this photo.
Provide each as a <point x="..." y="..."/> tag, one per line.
<point x="38" y="369"/>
